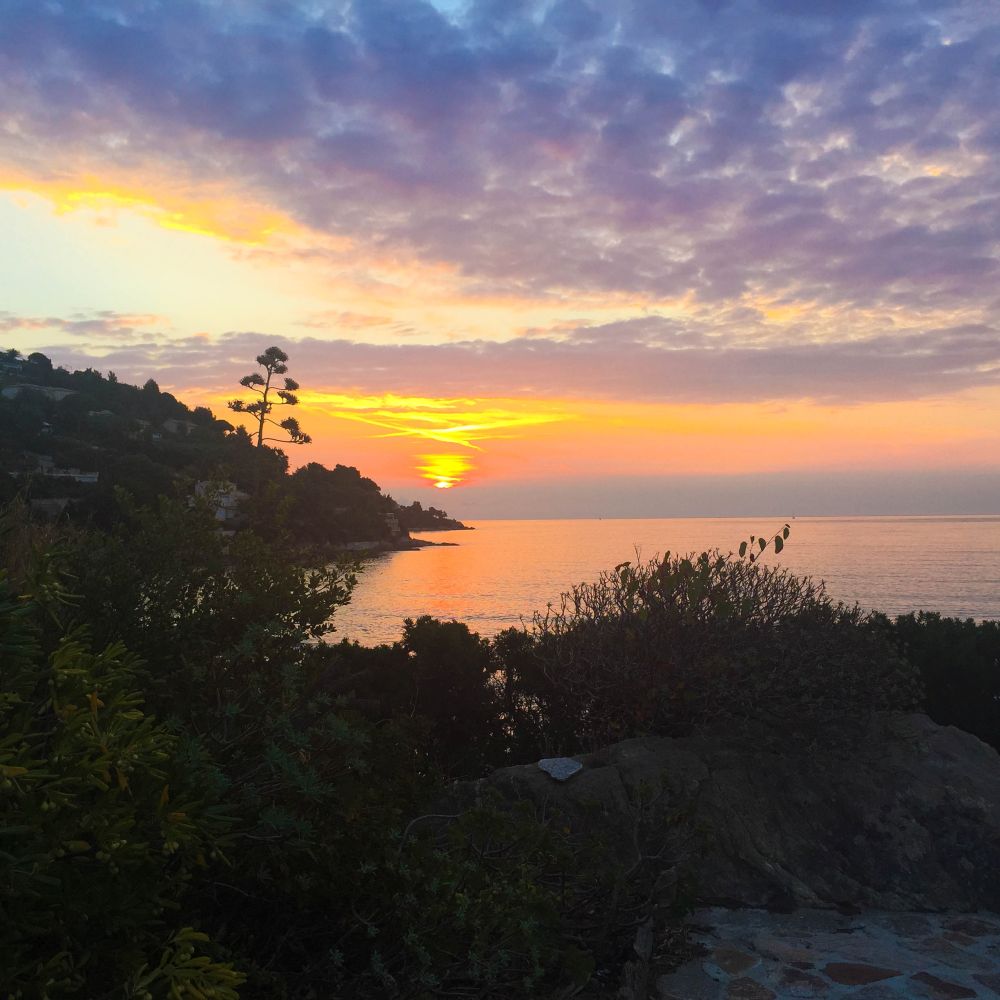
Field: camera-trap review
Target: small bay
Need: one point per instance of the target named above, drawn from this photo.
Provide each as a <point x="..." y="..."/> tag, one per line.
<point x="503" y="571"/>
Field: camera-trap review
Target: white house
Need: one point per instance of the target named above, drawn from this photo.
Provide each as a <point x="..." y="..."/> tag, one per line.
<point x="225" y="497"/>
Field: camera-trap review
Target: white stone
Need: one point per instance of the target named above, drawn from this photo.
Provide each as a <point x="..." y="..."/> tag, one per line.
<point x="560" y="768"/>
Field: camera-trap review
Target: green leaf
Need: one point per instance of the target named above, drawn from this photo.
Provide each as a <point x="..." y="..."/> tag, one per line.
<point x="778" y="544"/>
<point x="743" y="549"/>
<point x="763" y="543"/>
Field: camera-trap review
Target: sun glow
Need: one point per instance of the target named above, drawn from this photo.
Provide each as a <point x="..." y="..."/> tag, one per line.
<point x="445" y="471"/>
<point x="461" y="423"/>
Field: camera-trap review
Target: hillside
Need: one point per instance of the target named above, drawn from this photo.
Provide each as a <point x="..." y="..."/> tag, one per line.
<point x="71" y="442"/>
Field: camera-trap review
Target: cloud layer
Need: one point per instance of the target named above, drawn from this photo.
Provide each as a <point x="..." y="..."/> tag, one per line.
<point x="834" y="152"/>
<point x="652" y="360"/>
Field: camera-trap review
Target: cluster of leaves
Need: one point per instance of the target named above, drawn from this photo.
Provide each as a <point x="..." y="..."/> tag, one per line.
<point x="265" y="827"/>
<point x="684" y="642"/>
<point x="101" y="833"/>
<point x="117" y="430"/>
<point x="959" y="663"/>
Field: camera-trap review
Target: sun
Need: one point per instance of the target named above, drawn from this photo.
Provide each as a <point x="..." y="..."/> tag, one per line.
<point x="444" y="471"/>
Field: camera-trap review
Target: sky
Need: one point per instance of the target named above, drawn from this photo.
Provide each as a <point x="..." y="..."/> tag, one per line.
<point x="560" y="258"/>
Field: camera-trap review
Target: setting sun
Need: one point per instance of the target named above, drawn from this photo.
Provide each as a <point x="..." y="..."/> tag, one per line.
<point x="444" y="471"/>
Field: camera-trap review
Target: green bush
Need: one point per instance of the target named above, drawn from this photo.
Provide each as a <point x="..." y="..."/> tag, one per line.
<point x="959" y="663"/>
<point x="101" y="829"/>
<point x="330" y="888"/>
<point x="685" y="642"/>
<point x="438" y="679"/>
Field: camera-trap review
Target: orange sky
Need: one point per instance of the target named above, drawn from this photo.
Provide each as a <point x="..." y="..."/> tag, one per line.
<point x="650" y="254"/>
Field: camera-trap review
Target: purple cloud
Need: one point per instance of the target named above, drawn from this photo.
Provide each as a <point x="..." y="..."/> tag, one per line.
<point x="841" y="152"/>
<point x="650" y="360"/>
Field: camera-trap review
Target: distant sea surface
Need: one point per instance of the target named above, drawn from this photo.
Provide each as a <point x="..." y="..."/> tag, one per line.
<point x="503" y="571"/>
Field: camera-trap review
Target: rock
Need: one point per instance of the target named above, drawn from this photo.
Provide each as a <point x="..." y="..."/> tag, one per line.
<point x="940" y="989"/>
<point x="955" y="937"/>
<point x="940" y="950"/>
<point x="748" y="989"/>
<point x="732" y="961"/>
<point x="908" y="820"/>
<point x="783" y="951"/>
<point x="991" y="982"/>
<point x="858" y="974"/>
<point x="560" y="768"/>
<point x="905" y="924"/>
<point x="795" y="983"/>
<point x="689" y="983"/>
<point x="973" y="927"/>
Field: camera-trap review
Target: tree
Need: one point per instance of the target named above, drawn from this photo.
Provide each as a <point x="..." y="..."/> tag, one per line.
<point x="40" y="361"/>
<point x="105" y="825"/>
<point x="273" y="362"/>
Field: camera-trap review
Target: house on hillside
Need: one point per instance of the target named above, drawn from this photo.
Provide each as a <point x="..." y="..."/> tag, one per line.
<point x="225" y="498"/>
<point x="183" y="427"/>
<point x="46" y="465"/>
<point x="77" y="475"/>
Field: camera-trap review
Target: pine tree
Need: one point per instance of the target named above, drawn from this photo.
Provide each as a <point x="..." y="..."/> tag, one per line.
<point x="273" y="361"/>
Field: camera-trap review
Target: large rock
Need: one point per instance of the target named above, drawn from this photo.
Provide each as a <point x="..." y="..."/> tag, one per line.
<point x="910" y="820"/>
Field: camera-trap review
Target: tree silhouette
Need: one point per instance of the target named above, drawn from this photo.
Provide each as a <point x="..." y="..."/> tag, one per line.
<point x="273" y="362"/>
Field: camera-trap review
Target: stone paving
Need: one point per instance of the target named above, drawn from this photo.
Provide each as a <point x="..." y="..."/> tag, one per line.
<point x="758" y="955"/>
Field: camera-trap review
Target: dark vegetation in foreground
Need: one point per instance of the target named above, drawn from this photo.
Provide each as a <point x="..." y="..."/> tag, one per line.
<point x="202" y="795"/>
<point x="198" y="798"/>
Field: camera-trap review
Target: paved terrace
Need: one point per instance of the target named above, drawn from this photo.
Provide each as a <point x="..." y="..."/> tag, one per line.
<point x="757" y="955"/>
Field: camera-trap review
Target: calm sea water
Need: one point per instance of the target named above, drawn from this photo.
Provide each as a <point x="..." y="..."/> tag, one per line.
<point x="503" y="571"/>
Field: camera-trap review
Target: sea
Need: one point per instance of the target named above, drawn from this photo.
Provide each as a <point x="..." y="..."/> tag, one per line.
<point x="500" y="573"/>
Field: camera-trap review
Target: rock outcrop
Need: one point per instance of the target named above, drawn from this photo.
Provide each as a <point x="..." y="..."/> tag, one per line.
<point x="907" y="820"/>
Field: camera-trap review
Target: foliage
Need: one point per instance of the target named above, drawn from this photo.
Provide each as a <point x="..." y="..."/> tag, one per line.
<point x="415" y="517"/>
<point x="493" y="892"/>
<point x="319" y="791"/>
<point x="439" y="679"/>
<point x="306" y="836"/>
<point x="211" y="615"/>
<point x="959" y="663"/>
<point x="683" y="642"/>
<point x="354" y="507"/>
<point x="273" y="361"/>
<point x="754" y="547"/>
<point x="101" y="831"/>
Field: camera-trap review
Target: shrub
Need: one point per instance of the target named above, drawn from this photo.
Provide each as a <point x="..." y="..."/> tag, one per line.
<point x="437" y="680"/>
<point x="684" y="642"/>
<point x="959" y="663"/>
<point x="101" y="830"/>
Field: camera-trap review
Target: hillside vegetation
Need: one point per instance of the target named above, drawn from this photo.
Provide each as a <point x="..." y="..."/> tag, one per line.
<point x="72" y="442"/>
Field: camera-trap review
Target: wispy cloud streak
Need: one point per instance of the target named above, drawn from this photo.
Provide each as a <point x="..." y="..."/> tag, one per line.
<point x="652" y="360"/>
